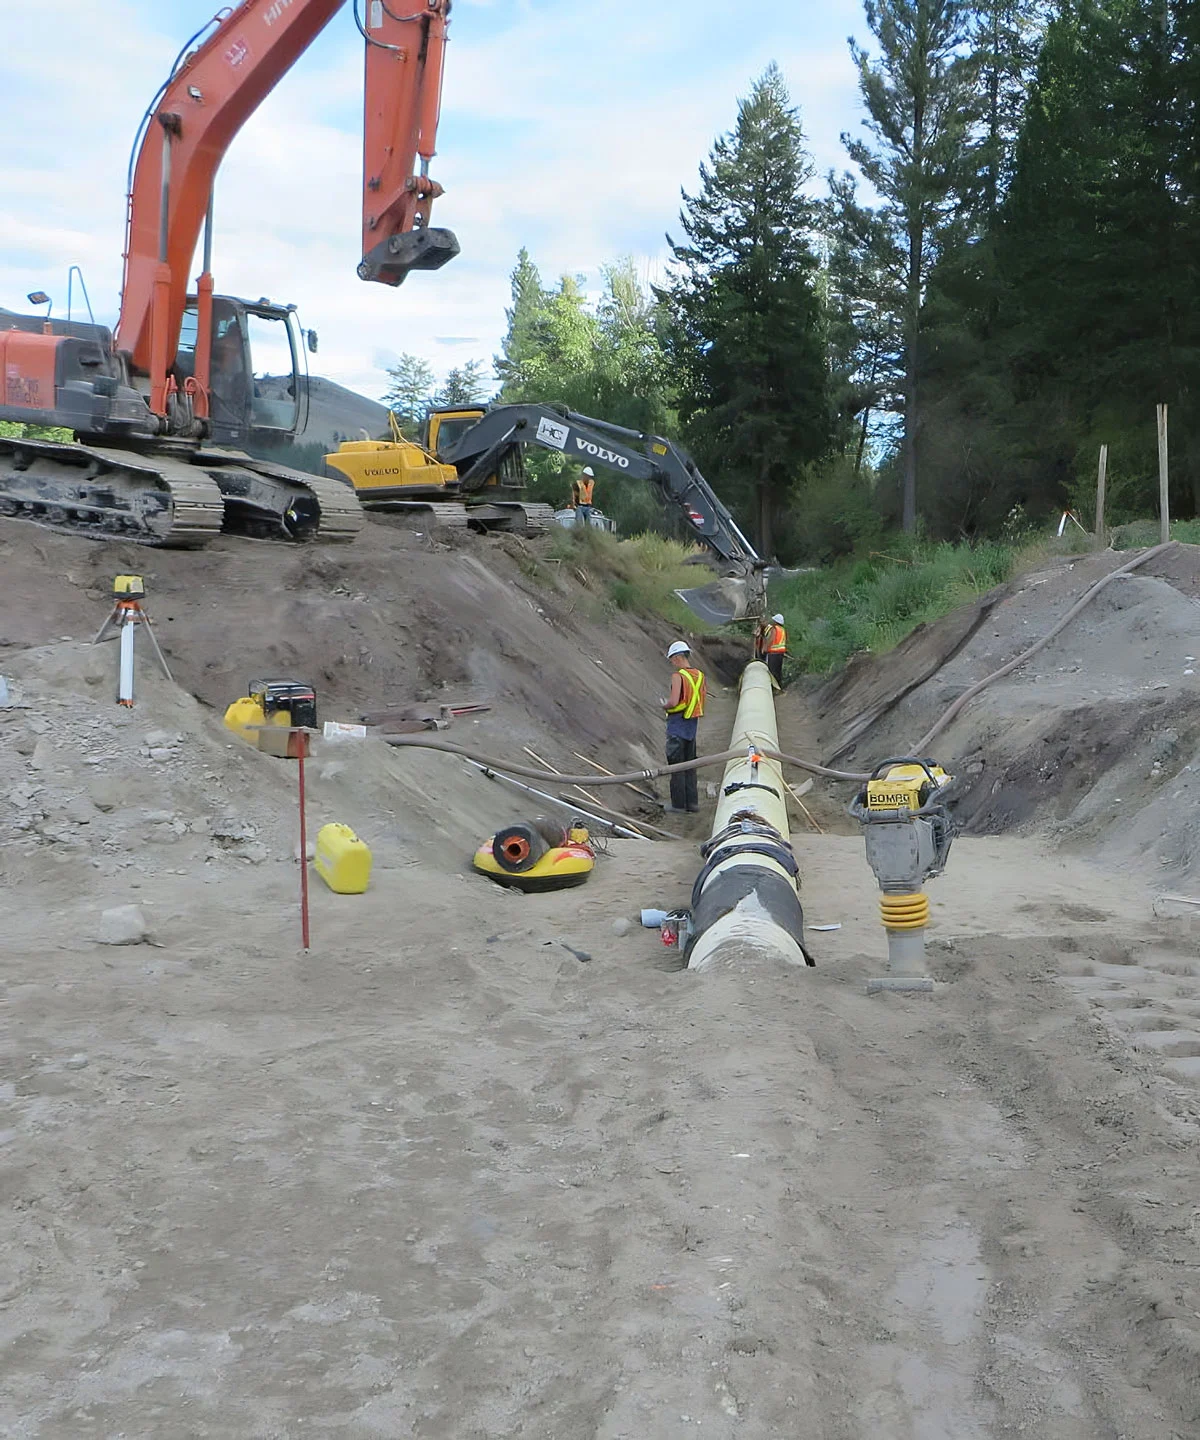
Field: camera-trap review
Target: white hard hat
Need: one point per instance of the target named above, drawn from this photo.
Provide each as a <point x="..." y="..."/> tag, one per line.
<point x="777" y="619"/>
<point x="680" y="647"/>
<point x="587" y="470"/>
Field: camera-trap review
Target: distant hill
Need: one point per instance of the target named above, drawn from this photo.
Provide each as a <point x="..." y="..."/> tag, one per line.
<point x="334" y="413"/>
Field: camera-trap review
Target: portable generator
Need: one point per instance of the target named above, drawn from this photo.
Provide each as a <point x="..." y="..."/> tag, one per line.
<point x="290" y="698"/>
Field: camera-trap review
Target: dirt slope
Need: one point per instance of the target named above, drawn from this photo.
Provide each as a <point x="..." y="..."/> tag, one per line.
<point x="1096" y="740"/>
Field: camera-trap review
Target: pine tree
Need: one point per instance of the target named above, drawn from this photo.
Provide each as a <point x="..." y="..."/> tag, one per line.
<point x="744" y="326"/>
<point x="921" y="100"/>
<point x="464" y="386"/>
<point x="411" y="389"/>
<point x="521" y="346"/>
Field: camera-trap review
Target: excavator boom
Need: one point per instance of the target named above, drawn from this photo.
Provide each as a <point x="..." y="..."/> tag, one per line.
<point x="154" y="408"/>
<point x="207" y="99"/>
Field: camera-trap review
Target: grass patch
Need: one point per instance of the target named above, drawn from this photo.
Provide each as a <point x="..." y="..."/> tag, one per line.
<point x="872" y="603"/>
<point x="1142" y="533"/>
<point x="640" y="574"/>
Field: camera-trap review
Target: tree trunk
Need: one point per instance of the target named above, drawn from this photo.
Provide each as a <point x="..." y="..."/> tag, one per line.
<point x="908" y="517"/>
<point x="862" y="441"/>
<point x="765" y="538"/>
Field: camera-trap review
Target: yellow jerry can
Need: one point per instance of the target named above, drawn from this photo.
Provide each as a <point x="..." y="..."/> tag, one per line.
<point x="342" y="860"/>
<point x="244" y="712"/>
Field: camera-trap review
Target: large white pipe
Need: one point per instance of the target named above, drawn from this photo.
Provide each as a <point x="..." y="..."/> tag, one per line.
<point x="746" y="900"/>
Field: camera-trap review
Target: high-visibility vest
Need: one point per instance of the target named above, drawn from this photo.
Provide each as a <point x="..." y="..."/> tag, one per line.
<point x="691" y="703"/>
<point x="583" y="490"/>
<point x="775" y="640"/>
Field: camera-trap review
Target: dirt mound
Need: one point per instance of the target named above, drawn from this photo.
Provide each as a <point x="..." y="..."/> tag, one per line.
<point x="395" y="618"/>
<point x="1096" y="739"/>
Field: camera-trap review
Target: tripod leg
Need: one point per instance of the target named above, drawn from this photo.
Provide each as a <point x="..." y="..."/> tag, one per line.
<point x="103" y="630"/>
<point x="157" y="651"/>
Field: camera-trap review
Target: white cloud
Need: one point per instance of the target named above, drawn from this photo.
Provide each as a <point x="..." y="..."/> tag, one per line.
<point x="568" y="126"/>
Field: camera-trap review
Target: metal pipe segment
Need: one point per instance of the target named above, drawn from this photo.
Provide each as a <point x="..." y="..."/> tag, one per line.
<point x="745" y="903"/>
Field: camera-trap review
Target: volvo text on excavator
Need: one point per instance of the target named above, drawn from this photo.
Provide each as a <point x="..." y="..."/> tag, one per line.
<point x="468" y="470"/>
<point x="160" y="411"/>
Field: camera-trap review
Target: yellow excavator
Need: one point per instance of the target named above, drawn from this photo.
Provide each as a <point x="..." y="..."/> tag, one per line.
<point x="468" y="470"/>
<point x="414" y="477"/>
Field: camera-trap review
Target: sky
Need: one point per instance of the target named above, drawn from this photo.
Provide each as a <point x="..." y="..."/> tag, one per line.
<point x="568" y="126"/>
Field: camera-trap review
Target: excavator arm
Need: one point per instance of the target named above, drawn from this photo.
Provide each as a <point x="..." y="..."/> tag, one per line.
<point x="211" y="93"/>
<point x="478" y="452"/>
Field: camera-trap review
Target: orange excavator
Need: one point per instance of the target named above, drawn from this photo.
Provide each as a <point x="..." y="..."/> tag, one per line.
<point x="161" y="410"/>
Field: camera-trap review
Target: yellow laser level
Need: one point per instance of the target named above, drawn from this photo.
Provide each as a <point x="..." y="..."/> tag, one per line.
<point x="128" y="587"/>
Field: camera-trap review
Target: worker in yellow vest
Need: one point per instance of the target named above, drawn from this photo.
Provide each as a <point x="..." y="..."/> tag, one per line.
<point x="684" y="705"/>
<point x="581" y="495"/>
<point x="771" y="646"/>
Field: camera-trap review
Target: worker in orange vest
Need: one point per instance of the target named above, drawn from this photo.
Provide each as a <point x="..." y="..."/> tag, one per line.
<point x="771" y="646"/>
<point x="684" y="704"/>
<point x="581" y="495"/>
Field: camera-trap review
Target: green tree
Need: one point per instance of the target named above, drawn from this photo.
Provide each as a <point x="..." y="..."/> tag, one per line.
<point x="464" y="386"/>
<point x="921" y="97"/>
<point x="744" y="327"/>
<point x="410" y="390"/>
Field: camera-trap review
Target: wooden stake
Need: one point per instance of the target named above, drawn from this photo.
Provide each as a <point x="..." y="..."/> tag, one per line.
<point x="587" y="794"/>
<point x="1101" y="478"/>
<point x="1164" y="506"/>
<point x="637" y="789"/>
<point x="795" y="794"/>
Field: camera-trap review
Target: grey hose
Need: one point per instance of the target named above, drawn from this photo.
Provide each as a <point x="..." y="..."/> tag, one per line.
<point x="630" y="777"/>
<point x="1086" y="598"/>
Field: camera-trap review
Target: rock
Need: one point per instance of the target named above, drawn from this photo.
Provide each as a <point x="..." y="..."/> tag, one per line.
<point x="159" y="817"/>
<point x="310" y="849"/>
<point x="76" y="1062"/>
<point x="122" y="925"/>
<point x="621" y="926"/>
<point x="161" y="835"/>
<point x="158" y="738"/>
<point x="256" y="852"/>
<point x="42" y="754"/>
<point x="105" y="794"/>
<point x="160" y="752"/>
<point x="79" y="810"/>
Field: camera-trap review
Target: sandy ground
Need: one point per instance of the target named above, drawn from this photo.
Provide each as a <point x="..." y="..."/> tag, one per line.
<point x="440" y="1177"/>
<point x="445" y="1177"/>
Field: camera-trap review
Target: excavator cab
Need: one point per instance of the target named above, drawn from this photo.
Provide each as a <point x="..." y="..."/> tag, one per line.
<point x="257" y="388"/>
<point x="442" y="431"/>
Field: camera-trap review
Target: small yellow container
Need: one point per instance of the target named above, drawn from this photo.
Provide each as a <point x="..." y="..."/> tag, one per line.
<point x="245" y="718"/>
<point x="342" y="860"/>
<point x="243" y="712"/>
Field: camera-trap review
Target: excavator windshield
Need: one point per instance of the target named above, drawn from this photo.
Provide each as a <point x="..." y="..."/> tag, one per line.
<point x="256" y="383"/>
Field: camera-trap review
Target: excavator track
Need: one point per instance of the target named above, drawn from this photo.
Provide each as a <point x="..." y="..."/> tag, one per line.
<point x="108" y="494"/>
<point x="443" y="514"/>
<point x="525" y="517"/>
<point x="269" y="501"/>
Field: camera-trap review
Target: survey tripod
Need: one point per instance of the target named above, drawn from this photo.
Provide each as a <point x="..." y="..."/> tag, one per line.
<point x="127" y="614"/>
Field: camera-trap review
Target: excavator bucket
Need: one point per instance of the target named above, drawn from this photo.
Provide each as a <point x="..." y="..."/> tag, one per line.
<point x="721" y="602"/>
